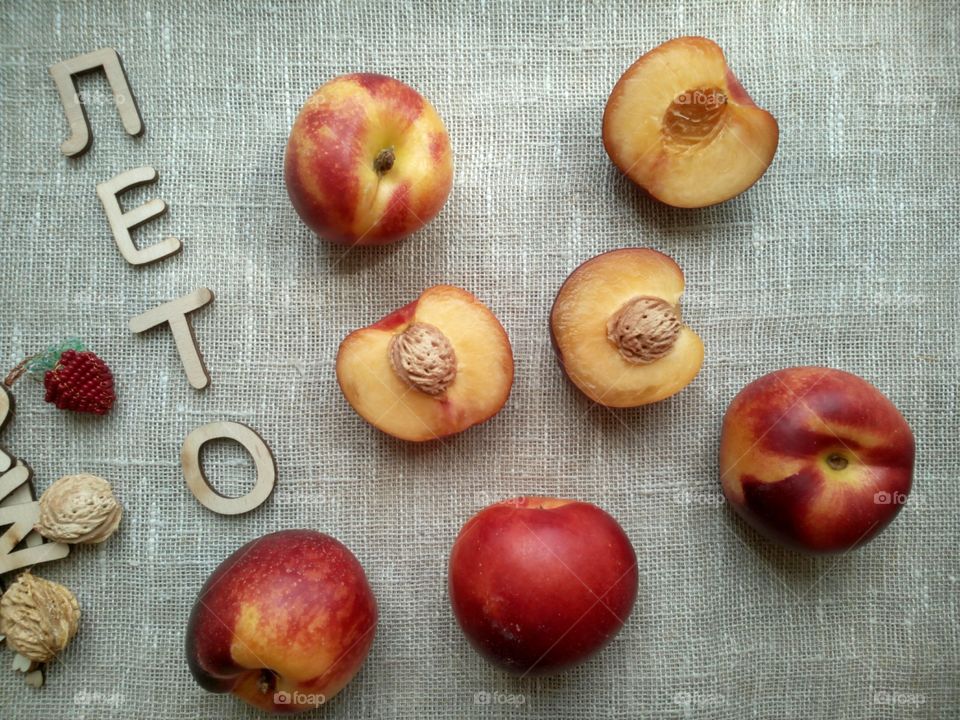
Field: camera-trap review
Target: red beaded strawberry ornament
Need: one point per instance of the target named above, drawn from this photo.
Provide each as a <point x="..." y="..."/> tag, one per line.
<point x="74" y="378"/>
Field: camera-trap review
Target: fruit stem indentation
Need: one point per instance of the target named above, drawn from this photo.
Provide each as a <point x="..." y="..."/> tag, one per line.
<point x="267" y="681"/>
<point x="837" y="462"/>
<point x="384" y="160"/>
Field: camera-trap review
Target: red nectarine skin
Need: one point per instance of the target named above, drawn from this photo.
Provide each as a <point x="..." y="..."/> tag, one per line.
<point x="296" y="602"/>
<point x="439" y="146"/>
<point x="398" y="215"/>
<point x="404" y="99"/>
<point x="779" y="438"/>
<point x="540" y="584"/>
<point x="398" y="318"/>
<point x="737" y="92"/>
<point x="334" y="172"/>
<point x="331" y="171"/>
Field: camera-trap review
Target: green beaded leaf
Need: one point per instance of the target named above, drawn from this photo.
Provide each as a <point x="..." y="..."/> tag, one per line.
<point x="48" y="359"/>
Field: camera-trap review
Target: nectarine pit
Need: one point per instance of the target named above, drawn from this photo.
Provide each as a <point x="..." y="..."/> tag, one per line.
<point x="644" y="329"/>
<point x="693" y="118"/>
<point x="423" y="357"/>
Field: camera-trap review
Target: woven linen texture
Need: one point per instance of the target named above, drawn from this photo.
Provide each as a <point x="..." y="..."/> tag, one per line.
<point x="844" y="254"/>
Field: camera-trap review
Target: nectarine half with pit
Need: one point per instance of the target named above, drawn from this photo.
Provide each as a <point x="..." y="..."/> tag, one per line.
<point x="815" y="458"/>
<point x="540" y="584"/>
<point x="368" y="160"/>
<point x="617" y="330"/>
<point x="680" y="125"/>
<point x="432" y="368"/>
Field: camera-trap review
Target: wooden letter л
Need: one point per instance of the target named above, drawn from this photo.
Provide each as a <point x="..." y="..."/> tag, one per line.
<point x="63" y="73"/>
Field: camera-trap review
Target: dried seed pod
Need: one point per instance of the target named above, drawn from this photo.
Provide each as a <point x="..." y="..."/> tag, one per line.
<point x="79" y="509"/>
<point x="38" y="617"/>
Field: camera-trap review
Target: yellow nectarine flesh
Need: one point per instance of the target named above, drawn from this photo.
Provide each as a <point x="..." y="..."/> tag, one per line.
<point x="680" y="125"/>
<point x="433" y="368"/>
<point x="616" y="328"/>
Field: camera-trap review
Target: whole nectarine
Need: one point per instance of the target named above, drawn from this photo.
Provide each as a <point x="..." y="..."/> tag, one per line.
<point x="284" y="622"/>
<point x="815" y="458"/>
<point x="368" y="160"/>
<point x="540" y="584"/>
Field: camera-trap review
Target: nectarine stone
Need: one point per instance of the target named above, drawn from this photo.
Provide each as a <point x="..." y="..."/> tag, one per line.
<point x="617" y="330"/>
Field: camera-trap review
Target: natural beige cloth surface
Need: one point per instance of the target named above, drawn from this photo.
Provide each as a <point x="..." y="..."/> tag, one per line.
<point x="844" y="254"/>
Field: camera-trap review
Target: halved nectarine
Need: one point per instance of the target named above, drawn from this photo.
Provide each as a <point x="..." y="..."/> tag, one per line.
<point x="680" y="125"/>
<point x="617" y="330"/>
<point x="433" y="368"/>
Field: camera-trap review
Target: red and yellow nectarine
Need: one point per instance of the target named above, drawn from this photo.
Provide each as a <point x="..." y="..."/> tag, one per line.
<point x="368" y="160"/>
<point x="815" y="458"/>
<point x="283" y="623"/>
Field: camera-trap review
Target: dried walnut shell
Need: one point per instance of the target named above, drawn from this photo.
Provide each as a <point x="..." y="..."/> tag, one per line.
<point x="79" y="509"/>
<point x="38" y="617"/>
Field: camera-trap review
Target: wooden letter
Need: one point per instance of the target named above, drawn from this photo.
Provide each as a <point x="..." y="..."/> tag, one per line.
<point x="263" y="461"/>
<point x="20" y="511"/>
<point x="63" y="73"/>
<point x="121" y="223"/>
<point x="175" y="312"/>
<point x="6" y="410"/>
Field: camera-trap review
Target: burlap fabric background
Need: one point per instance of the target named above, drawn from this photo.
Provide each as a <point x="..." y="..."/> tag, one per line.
<point x="845" y="254"/>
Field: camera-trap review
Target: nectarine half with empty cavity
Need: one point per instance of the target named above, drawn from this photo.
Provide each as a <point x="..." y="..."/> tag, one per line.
<point x="680" y="125"/>
<point x="617" y="329"/>
<point x="432" y="368"/>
